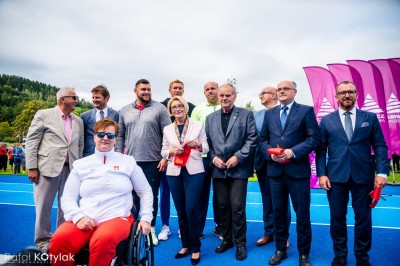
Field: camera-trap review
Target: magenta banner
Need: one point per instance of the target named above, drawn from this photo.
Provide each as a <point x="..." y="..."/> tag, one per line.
<point x="313" y="178"/>
<point x="397" y="60"/>
<point x="343" y="72"/>
<point x="392" y="102"/>
<point x="322" y="85"/>
<point x="374" y="94"/>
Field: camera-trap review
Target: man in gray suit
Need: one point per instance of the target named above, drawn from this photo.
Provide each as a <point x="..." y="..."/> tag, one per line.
<point x="232" y="137"/>
<point x="53" y="143"/>
<point x="100" y="98"/>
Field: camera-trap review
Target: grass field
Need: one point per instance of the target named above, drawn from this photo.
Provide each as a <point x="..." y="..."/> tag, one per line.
<point x="254" y="178"/>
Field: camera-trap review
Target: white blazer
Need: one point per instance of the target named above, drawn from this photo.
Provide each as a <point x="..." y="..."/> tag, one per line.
<point x="194" y="164"/>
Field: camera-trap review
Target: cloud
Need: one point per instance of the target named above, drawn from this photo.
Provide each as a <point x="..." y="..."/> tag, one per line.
<point x="85" y="43"/>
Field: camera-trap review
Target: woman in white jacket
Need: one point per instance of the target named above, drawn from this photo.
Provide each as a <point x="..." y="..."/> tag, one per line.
<point x="97" y="202"/>
<point x="184" y="142"/>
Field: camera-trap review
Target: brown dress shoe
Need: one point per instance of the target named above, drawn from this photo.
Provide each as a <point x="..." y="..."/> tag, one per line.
<point x="264" y="240"/>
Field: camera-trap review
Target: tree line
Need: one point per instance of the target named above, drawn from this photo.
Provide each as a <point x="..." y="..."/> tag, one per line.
<point x="20" y="99"/>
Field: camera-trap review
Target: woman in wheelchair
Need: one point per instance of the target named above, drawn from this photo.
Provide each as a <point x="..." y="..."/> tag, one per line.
<point x="97" y="202"/>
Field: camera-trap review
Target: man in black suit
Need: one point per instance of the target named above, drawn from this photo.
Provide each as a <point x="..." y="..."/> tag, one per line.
<point x="350" y="168"/>
<point x="232" y="138"/>
<point x="294" y="128"/>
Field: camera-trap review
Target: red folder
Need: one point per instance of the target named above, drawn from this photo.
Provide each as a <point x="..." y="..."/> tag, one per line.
<point x="375" y="196"/>
<point x="181" y="159"/>
<point x="277" y="151"/>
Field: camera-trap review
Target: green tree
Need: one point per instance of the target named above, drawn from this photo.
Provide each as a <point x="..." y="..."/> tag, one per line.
<point x="250" y="107"/>
<point x="6" y="131"/>
<point x="23" y="120"/>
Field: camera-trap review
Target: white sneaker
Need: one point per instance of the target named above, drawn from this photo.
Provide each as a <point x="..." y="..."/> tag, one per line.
<point x="153" y="236"/>
<point x="165" y="232"/>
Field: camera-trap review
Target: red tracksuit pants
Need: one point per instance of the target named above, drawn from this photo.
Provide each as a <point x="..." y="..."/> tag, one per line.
<point x="103" y="241"/>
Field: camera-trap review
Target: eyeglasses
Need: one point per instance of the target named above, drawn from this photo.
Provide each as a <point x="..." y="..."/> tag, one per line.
<point x="285" y="89"/>
<point x="176" y="107"/>
<point x="75" y="98"/>
<point x="103" y="134"/>
<point x="343" y="93"/>
<point x="265" y="92"/>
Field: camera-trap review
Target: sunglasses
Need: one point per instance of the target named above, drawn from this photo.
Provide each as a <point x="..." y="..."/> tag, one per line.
<point x="72" y="97"/>
<point x="103" y="134"/>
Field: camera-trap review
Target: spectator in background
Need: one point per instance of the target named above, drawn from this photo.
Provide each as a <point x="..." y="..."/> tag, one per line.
<point x="395" y="159"/>
<point x="23" y="159"/>
<point x="17" y="153"/>
<point x="11" y="158"/>
<point x="100" y="98"/>
<point x="3" y="156"/>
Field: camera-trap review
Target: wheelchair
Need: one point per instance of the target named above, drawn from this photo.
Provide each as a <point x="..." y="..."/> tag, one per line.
<point x="136" y="250"/>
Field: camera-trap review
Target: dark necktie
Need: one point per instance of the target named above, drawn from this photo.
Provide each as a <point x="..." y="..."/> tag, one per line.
<point x="284" y="115"/>
<point x="348" y="127"/>
<point x="101" y="115"/>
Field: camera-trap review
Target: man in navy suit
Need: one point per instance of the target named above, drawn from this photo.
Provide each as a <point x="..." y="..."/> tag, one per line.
<point x="350" y="168"/>
<point x="232" y="138"/>
<point x="100" y="98"/>
<point x="294" y="128"/>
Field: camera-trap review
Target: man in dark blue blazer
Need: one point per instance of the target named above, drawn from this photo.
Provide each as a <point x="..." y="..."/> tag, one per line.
<point x="294" y="128"/>
<point x="350" y="168"/>
<point x="232" y="138"/>
<point x="100" y="98"/>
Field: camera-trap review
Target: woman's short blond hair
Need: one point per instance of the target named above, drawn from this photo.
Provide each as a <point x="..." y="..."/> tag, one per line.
<point x="180" y="99"/>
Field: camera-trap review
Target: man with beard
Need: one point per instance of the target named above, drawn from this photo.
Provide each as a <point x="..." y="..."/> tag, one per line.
<point x="350" y="169"/>
<point x="100" y="98"/>
<point x="141" y="126"/>
<point x="54" y="141"/>
<point x="232" y="138"/>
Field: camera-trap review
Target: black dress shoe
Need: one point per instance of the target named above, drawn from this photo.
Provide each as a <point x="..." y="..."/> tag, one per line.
<point x="363" y="263"/>
<point x="339" y="261"/>
<point x="224" y="246"/>
<point x="304" y="260"/>
<point x="182" y="255"/>
<point x="195" y="261"/>
<point x="241" y="253"/>
<point x="278" y="257"/>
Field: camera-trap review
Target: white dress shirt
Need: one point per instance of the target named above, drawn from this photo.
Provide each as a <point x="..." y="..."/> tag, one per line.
<point x="352" y="116"/>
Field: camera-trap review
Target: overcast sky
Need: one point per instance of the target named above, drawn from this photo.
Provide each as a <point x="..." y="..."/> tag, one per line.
<point x="259" y="43"/>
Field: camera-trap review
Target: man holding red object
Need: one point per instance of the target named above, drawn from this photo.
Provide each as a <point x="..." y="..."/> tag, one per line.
<point x="294" y="128"/>
<point x="350" y="169"/>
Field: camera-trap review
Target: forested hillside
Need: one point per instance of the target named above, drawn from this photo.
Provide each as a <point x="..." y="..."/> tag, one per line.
<point x="20" y="98"/>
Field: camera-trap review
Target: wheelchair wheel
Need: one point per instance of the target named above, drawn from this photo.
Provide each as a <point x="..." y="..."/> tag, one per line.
<point x="144" y="250"/>
<point x="130" y="257"/>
